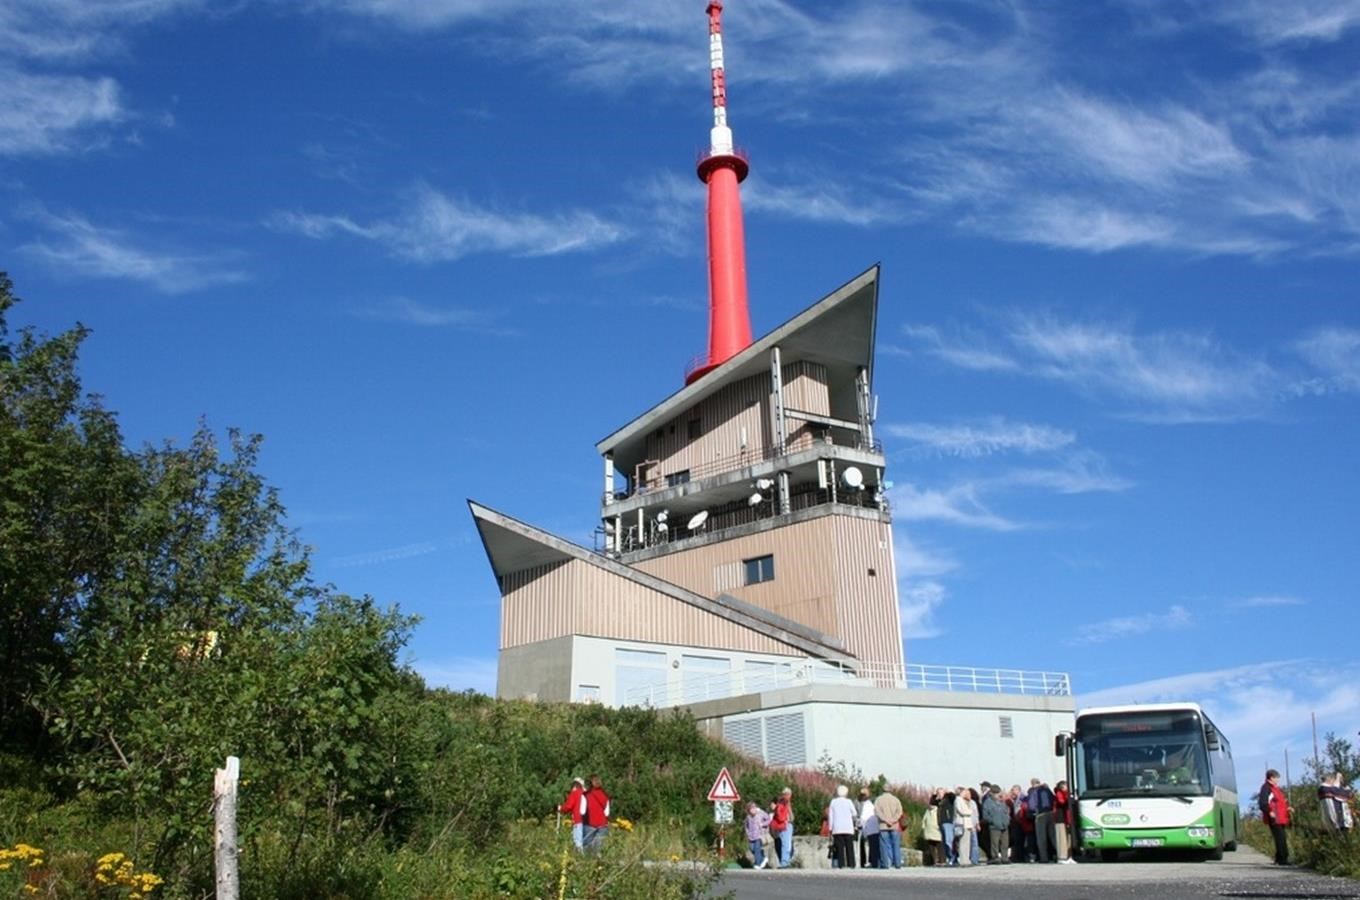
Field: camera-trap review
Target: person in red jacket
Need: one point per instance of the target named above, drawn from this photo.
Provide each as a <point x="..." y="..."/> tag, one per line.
<point x="594" y="814"/>
<point x="781" y="826"/>
<point x="1275" y="811"/>
<point x="572" y="806"/>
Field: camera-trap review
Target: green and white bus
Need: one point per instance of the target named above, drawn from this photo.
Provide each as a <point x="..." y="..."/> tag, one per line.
<point x="1151" y="776"/>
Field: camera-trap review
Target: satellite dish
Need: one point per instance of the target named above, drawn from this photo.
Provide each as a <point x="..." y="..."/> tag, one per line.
<point x="661" y="527"/>
<point x="662" y="516"/>
<point x="853" y="478"/>
<point x="764" y="484"/>
<point x="754" y="499"/>
<point x="697" y="520"/>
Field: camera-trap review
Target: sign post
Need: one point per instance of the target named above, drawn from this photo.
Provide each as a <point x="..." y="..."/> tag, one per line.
<point x="722" y="795"/>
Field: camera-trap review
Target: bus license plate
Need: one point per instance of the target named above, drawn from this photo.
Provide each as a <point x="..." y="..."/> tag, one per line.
<point x="1146" y="842"/>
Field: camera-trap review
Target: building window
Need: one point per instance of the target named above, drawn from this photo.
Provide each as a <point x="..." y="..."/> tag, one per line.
<point x="587" y="693"/>
<point x="696" y="428"/>
<point x="681" y="477"/>
<point x="1007" y="727"/>
<point x="759" y="569"/>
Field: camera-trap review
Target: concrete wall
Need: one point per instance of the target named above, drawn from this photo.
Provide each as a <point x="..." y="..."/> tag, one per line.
<point x="540" y="671"/>
<point x="925" y="738"/>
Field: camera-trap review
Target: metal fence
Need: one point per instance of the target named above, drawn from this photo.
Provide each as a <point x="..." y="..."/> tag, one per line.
<point x="696" y="688"/>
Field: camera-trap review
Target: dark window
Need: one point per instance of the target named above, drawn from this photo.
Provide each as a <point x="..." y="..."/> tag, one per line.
<point x="696" y="428"/>
<point x="872" y="573"/>
<point x="759" y="569"/>
<point x="681" y="477"/>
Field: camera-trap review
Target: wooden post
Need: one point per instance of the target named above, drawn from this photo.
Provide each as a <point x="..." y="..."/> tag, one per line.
<point x="224" y="815"/>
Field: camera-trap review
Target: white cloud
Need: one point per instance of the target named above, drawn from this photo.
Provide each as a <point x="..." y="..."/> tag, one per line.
<point x="46" y="114"/>
<point x="1302" y="21"/>
<point x="817" y="200"/>
<point x="982" y="438"/>
<point x="919" y="602"/>
<point x="958" y="505"/>
<point x="434" y="227"/>
<point x="1079" y="473"/>
<point x="385" y="555"/>
<point x="1335" y="354"/>
<point x="1176" y="618"/>
<point x="412" y="312"/>
<point x="920" y="560"/>
<point x="75" y="245"/>
<point x="1160" y="376"/>
<point x="459" y="673"/>
<point x="1266" y="601"/>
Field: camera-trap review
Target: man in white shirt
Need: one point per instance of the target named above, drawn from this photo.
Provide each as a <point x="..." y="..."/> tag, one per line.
<point x="841" y="816"/>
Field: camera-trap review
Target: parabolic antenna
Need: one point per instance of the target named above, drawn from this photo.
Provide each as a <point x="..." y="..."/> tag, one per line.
<point x="697" y="520"/>
<point x="662" y="516"/>
<point x="754" y="499"/>
<point x="853" y="478"/>
<point x="661" y="527"/>
<point x="764" y="484"/>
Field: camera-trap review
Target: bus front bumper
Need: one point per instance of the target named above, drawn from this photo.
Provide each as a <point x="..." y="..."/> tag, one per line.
<point x="1195" y="837"/>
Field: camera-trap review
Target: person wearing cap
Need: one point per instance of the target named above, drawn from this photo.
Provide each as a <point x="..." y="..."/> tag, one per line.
<point x="868" y="831"/>
<point x="572" y="806"/>
<point x="781" y="826"/>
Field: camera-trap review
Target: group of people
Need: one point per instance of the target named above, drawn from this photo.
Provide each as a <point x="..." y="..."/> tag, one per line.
<point x="588" y="806"/>
<point x="1334" y="801"/>
<point x="967" y="826"/>
<point x="869" y="829"/>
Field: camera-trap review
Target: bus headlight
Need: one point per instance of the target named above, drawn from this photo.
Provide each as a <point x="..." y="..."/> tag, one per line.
<point x="1199" y="831"/>
<point x="1092" y="834"/>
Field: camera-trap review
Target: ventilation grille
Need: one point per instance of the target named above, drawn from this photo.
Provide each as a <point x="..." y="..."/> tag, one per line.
<point x="1007" y="727"/>
<point x="744" y="736"/>
<point x="786" y="740"/>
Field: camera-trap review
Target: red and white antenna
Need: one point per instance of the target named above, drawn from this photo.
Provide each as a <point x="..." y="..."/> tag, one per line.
<point x="722" y="169"/>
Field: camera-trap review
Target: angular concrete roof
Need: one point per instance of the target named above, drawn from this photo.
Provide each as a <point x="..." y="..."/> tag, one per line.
<point x="836" y="331"/>
<point x="512" y="546"/>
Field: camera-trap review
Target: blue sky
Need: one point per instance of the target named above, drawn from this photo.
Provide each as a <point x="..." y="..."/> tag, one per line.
<point x="1119" y="339"/>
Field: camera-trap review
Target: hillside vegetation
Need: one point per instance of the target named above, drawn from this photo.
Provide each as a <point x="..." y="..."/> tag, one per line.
<point x="157" y="616"/>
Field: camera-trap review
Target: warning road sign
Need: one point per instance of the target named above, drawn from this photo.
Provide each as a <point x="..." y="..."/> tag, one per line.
<point x="724" y="789"/>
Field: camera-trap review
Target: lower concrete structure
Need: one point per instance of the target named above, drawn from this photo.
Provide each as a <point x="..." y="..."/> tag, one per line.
<point x="926" y="738"/>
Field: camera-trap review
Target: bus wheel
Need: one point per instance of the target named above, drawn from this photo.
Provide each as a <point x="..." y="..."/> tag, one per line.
<point x="1231" y="846"/>
<point x="1215" y="854"/>
<point x="1109" y="855"/>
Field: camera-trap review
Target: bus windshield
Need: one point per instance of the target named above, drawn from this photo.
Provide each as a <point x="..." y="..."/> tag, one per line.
<point x="1158" y="753"/>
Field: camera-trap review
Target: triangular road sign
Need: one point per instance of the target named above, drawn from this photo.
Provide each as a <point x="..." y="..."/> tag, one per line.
<point x="724" y="788"/>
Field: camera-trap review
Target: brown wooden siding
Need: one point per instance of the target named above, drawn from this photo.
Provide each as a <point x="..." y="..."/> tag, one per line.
<point x="821" y="579"/>
<point x="578" y="598"/>
<point x="742" y="404"/>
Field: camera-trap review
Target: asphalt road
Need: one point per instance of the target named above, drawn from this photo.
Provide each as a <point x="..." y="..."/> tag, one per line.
<point x="1245" y="874"/>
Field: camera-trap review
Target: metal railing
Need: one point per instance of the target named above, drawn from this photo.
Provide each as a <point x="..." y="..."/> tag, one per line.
<point x="696" y="688"/>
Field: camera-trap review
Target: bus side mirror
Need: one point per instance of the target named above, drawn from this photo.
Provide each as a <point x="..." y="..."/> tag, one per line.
<point x="1060" y="745"/>
<point x="1211" y="738"/>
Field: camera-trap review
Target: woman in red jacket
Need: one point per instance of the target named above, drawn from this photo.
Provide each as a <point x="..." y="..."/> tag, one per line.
<point x="572" y="806"/>
<point x="595" y="815"/>
<point x="1275" y="811"/>
<point x="1062" y="821"/>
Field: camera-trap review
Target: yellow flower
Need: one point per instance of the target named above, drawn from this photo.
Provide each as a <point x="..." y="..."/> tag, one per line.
<point x="109" y="859"/>
<point x="30" y="889"/>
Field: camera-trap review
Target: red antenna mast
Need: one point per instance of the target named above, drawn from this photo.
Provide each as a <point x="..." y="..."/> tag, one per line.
<point x="722" y="169"/>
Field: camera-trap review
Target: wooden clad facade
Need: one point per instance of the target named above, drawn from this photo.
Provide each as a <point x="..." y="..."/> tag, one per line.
<point x="733" y="425"/>
<point x="575" y="597"/>
<point x="833" y="573"/>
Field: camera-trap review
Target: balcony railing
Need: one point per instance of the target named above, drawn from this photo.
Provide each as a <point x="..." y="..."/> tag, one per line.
<point x="696" y="688"/>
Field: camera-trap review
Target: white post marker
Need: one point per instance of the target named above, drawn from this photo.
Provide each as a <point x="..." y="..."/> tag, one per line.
<point x="224" y="814"/>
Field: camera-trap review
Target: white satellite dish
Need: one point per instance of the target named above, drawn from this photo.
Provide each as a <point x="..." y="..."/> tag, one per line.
<point x="764" y="484"/>
<point x="661" y="527"/>
<point x="853" y="478"/>
<point x="662" y="516"/>
<point x="754" y="499"/>
<point x="697" y="520"/>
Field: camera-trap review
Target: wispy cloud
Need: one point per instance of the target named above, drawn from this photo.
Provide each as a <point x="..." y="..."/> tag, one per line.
<point x="435" y="227"/>
<point x="1160" y="376"/>
<point x="1081" y="472"/>
<point x="956" y="505"/>
<point x="47" y="114"/>
<point x="386" y="555"/>
<point x="1175" y="618"/>
<point x="74" y="245"/>
<point x="1335" y="354"/>
<point x="1266" y="601"/>
<point x="981" y="438"/>
<point x="407" y="311"/>
<point x="1301" y="21"/>
<point x="921" y="590"/>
